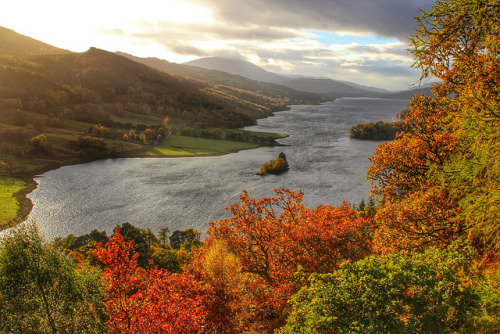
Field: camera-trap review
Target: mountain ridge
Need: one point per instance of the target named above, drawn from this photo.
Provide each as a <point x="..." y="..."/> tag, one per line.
<point x="322" y="86"/>
<point x="16" y="44"/>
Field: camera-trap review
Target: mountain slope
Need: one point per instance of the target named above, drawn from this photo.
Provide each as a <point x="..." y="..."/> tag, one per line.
<point x="13" y="43"/>
<point x="407" y="94"/>
<point x="324" y="87"/>
<point x="217" y="77"/>
<point x="328" y="87"/>
<point x="239" y="67"/>
<point x="104" y="78"/>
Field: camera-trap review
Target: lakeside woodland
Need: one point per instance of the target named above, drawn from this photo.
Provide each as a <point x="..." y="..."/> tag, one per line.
<point x="421" y="257"/>
<point x="64" y="108"/>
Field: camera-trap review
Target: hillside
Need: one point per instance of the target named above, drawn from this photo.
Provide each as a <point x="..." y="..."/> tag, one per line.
<point x="328" y="87"/>
<point x="319" y="86"/>
<point x="239" y="67"/>
<point x="218" y="77"/>
<point x="102" y="78"/>
<point x="59" y="107"/>
<point x="13" y="43"/>
<point x="407" y="94"/>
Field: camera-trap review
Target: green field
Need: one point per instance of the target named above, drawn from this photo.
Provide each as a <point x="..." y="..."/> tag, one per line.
<point x="189" y="146"/>
<point x="9" y="205"/>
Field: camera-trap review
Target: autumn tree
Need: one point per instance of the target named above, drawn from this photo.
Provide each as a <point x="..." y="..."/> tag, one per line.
<point x="441" y="179"/>
<point x="152" y="301"/>
<point x="276" y="237"/>
<point x="227" y="295"/>
<point x="458" y="42"/>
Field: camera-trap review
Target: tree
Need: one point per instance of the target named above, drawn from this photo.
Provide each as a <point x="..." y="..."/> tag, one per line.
<point x="152" y="301"/>
<point x="219" y="133"/>
<point x="278" y="166"/>
<point x="164" y="231"/>
<point x="167" y="259"/>
<point x="228" y="294"/>
<point x="422" y="293"/>
<point x="132" y="135"/>
<point x="181" y="238"/>
<point x="141" y="246"/>
<point x="41" y="144"/>
<point x="458" y="42"/>
<point x="44" y="291"/>
<point x="440" y="178"/>
<point x="276" y="237"/>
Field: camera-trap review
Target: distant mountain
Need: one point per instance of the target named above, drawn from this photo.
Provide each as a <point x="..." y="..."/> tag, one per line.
<point x="239" y="67"/>
<point x="329" y="87"/>
<point x="12" y="43"/>
<point x="321" y="86"/>
<point x="407" y="94"/>
<point x="372" y="89"/>
<point x="216" y="77"/>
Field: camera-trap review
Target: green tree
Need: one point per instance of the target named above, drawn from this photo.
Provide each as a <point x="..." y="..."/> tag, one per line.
<point x="419" y="293"/>
<point x="167" y="259"/>
<point x="41" y="144"/>
<point x="44" y="291"/>
<point x="164" y="231"/>
<point x="181" y="238"/>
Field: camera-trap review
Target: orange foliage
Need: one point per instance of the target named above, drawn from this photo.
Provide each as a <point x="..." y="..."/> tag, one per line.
<point x="417" y="210"/>
<point x="151" y="301"/>
<point x="276" y="237"/>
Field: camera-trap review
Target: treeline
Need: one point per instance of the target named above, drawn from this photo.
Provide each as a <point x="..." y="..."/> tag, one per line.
<point x="375" y="131"/>
<point x="228" y="134"/>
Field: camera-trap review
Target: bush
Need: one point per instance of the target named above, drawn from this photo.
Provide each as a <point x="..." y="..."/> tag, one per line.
<point x="420" y="293"/>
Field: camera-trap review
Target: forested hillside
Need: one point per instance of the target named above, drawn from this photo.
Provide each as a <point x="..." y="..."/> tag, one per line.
<point x="59" y="107"/>
<point x="52" y="83"/>
<point x="422" y="257"/>
<point x="73" y="105"/>
<point x="223" y="78"/>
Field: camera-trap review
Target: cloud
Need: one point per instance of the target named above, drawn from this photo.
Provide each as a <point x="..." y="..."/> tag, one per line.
<point x="185" y="49"/>
<point x="385" y="18"/>
<point x="354" y="40"/>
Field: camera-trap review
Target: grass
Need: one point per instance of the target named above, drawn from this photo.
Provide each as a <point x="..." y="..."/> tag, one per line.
<point x="189" y="146"/>
<point x="9" y="205"/>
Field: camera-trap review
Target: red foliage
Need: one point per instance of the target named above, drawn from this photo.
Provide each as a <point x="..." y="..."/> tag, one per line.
<point x="147" y="302"/>
<point x="276" y="237"/>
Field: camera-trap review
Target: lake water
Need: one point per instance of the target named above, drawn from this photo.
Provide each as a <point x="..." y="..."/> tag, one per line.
<point x="190" y="192"/>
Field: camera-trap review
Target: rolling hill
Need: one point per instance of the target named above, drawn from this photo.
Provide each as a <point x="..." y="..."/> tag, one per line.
<point x="320" y="86"/>
<point x="217" y="77"/>
<point x="59" y="107"/>
<point x="238" y="67"/>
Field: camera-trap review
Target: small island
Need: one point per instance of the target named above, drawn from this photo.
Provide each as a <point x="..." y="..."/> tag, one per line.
<point x="375" y="131"/>
<point x="278" y="166"/>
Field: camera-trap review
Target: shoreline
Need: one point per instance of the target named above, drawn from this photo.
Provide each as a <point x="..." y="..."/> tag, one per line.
<point x="26" y="205"/>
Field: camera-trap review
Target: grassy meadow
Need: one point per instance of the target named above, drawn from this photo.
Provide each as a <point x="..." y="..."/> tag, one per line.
<point x="9" y="204"/>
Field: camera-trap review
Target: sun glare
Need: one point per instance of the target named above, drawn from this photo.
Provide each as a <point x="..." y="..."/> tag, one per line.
<point x="76" y="26"/>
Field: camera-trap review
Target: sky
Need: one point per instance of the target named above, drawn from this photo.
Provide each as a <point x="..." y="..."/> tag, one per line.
<point x="362" y="41"/>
